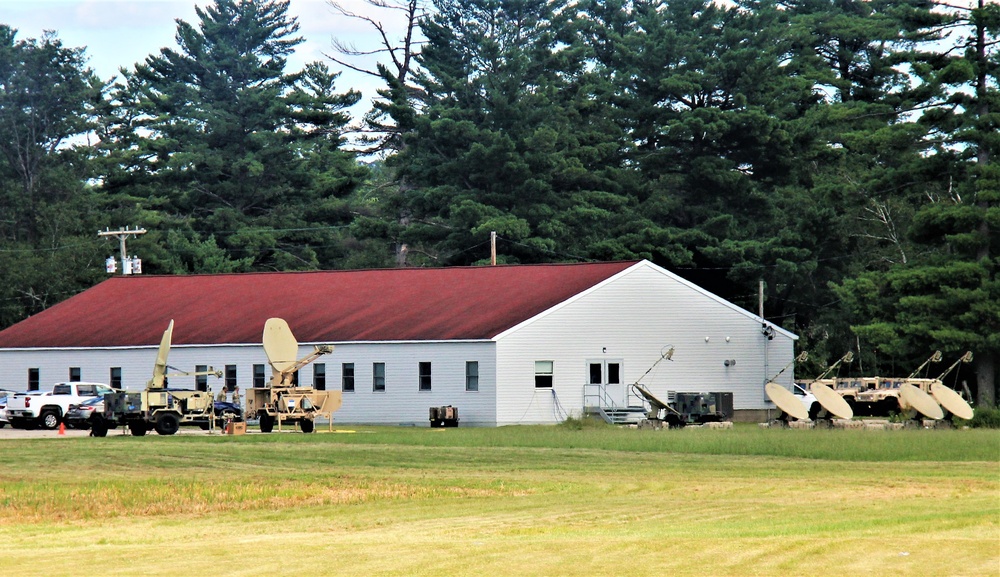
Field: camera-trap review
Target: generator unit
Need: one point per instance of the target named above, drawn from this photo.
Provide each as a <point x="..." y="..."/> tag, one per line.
<point x="444" y="416"/>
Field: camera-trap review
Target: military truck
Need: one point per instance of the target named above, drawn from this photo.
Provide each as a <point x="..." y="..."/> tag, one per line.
<point x="880" y="396"/>
<point x="281" y="400"/>
<point x="158" y="407"/>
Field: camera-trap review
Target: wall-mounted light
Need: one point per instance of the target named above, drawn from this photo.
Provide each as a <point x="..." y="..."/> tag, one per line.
<point x="727" y="339"/>
<point x="729" y="363"/>
<point x="706" y="339"/>
<point x="604" y="349"/>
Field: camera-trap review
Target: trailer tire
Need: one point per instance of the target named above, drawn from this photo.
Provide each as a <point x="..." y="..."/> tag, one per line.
<point x="307" y="425"/>
<point x="99" y="428"/>
<point x="167" y="424"/>
<point x="49" y="419"/>
<point x="266" y="423"/>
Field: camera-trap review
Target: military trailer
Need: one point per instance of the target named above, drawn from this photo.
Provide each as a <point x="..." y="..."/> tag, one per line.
<point x="683" y="409"/>
<point x="281" y="401"/>
<point x="158" y="407"/>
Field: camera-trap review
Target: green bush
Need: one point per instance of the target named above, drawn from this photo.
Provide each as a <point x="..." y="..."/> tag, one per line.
<point x="986" y="418"/>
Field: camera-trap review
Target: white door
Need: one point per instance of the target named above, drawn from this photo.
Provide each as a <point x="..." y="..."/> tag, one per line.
<point x="606" y="376"/>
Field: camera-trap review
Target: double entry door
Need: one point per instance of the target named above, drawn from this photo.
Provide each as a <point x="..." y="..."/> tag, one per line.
<point x="606" y="377"/>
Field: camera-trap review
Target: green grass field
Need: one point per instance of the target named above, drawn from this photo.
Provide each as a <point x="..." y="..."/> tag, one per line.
<point x="507" y="501"/>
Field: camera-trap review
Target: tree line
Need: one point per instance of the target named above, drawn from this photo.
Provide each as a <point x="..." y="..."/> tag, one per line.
<point x="842" y="152"/>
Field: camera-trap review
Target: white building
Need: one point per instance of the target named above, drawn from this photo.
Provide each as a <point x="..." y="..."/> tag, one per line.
<point x="506" y="345"/>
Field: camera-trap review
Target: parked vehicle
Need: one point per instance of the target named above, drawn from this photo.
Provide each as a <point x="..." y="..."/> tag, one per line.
<point x="224" y="412"/>
<point x="5" y="415"/>
<point x="90" y="415"/>
<point x="808" y="400"/>
<point x="3" y="407"/>
<point x="46" y="410"/>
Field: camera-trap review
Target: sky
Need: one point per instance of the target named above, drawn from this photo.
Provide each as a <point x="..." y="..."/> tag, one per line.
<point x="119" y="33"/>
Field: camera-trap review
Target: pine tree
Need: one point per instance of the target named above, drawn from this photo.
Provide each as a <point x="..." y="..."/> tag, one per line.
<point x="218" y="135"/>
<point x="48" y="214"/>
<point x="947" y="296"/>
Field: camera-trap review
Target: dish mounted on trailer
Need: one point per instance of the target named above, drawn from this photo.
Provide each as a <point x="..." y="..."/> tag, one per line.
<point x="281" y="401"/>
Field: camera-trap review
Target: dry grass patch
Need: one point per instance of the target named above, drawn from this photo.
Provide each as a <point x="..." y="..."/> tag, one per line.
<point x="467" y="503"/>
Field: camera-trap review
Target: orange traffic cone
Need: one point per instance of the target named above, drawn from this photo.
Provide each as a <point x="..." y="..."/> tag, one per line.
<point x="62" y="428"/>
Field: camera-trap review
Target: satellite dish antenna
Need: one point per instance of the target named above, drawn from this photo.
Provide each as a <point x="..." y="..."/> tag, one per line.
<point x="280" y="345"/>
<point x="951" y="400"/>
<point x="831" y="401"/>
<point x="912" y="397"/>
<point x="786" y="401"/>
<point x="160" y="368"/>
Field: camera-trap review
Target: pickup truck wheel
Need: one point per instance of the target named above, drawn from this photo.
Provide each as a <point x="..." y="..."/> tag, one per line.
<point x="2" y="425"/>
<point x="49" y="419"/>
<point x="307" y="426"/>
<point x="137" y="429"/>
<point x="167" y="424"/>
<point x="266" y="423"/>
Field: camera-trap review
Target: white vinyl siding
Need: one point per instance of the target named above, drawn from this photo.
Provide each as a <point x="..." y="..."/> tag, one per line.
<point x="631" y="319"/>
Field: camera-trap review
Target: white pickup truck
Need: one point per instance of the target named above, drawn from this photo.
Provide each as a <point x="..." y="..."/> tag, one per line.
<point x="46" y="410"/>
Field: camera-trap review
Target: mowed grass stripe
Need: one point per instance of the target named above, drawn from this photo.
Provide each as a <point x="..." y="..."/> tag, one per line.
<point x="473" y="502"/>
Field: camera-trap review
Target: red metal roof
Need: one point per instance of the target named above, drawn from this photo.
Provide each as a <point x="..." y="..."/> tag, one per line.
<point x="324" y="306"/>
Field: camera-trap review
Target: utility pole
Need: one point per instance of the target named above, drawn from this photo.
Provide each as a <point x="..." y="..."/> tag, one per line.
<point x="493" y="248"/>
<point x="760" y="299"/>
<point x="129" y="265"/>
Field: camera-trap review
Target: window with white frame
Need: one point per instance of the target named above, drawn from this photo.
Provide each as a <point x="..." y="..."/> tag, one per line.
<point x="230" y="377"/>
<point x="543" y="374"/>
<point x="347" y="377"/>
<point x="378" y="377"/>
<point x="319" y="376"/>
<point x="424" y="376"/>
<point x="201" y="381"/>
<point x="472" y="375"/>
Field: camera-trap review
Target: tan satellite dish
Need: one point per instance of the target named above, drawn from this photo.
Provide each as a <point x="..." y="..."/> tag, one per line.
<point x="786" y="401"/>
<point x="951" y="401"/>
<point x="913" y="397"/>
<point x="831" y="401"/>
<point x="280" y="345"/>
<point x="160" y="368"/>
